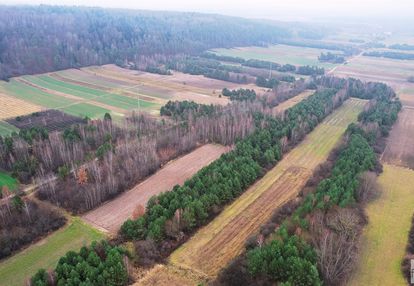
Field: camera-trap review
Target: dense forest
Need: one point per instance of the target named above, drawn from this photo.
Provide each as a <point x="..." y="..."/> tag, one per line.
<point x="45" y="38"/>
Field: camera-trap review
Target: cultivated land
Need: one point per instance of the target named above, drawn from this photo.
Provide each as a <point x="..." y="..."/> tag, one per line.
<point x="377" y="69"/>
<point x="111" y="215"/>
<point x="94" y="91"/>
<point x="12" y="107"/>
<point x="213" y="247"/>
<point x="281" y="54"/>
<point x="46" y="253"/>
<point x="386" y="235"/>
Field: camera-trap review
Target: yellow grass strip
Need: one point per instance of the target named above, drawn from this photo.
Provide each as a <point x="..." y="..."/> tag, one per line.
<point x="386" y="236"/>
<point x="12" y="107"/>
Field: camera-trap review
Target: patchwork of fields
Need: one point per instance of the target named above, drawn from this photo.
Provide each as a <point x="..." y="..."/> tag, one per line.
<point x="213" y="246"/>
<point x="281" y="54"/>
<point x="94" y="91"/>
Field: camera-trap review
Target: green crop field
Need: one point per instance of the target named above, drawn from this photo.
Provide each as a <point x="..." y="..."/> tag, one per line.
<point x="6" y="180"/>
<point x="6" y="128"/>
<point x="46" y="253"/>
<point x="281" y="54"/>
<point x="34" y="95"/>
<point x="85" y="109"/>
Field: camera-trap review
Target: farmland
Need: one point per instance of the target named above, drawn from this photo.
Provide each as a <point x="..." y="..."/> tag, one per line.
<point x="212" y="247"/>
<point x="94" y="91"/>
<point x="51" y="120"/>
<point x="292" y="101"/>
<point x="110" y="216"/>
<point x="386" y="236"/>
<point x="45" y="253"/>
<point x="281" y="54"/>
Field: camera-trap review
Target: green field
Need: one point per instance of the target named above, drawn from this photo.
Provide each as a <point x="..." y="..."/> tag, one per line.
<point x="46" y="253"/>
<point x="6" y="128"/>
<point x="6" y="180"/>
<point x="34" y="95"/>
<point x="386" y="235"/>
<point x="85" y="109"/>
<point x="281" y="54"/>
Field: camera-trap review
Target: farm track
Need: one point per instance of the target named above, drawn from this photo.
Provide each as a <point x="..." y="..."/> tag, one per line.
<point x="216" y="244"/>
<point x="111" y="215"/>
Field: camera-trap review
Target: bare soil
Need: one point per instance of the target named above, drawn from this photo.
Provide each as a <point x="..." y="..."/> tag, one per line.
<point x="111" y="215"/>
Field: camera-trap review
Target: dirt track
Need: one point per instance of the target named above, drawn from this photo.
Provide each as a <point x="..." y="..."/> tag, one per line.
<point x="111" y="215"/>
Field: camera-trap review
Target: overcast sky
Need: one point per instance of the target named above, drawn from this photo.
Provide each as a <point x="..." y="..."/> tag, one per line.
<point x="273" y="9"/>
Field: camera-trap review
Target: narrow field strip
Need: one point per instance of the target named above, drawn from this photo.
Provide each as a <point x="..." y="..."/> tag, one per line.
<point x="385" y="237"/>
<point x="12" y="107"/>
<point x="111" y="215"/>
<point x="213" y="246"/>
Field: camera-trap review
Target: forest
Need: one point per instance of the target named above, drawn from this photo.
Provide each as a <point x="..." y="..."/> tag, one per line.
<point x="47" y="38"/>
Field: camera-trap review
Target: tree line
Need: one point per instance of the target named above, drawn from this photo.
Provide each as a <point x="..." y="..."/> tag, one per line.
<point x="327" y="218"/>
<point x="390" y="55"/>
<point x="331" y="58"/>
<point x="98" y="264"/>
<point x="187" y="207"/>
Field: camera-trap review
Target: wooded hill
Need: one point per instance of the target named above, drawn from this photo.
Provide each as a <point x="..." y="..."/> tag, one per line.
<point x="36" y="39"/>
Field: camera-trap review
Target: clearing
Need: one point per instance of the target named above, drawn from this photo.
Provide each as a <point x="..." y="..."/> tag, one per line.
<point x="281" y="54"/>
<point x="113" y="214"/>
<point x="292" y="101"/>
<point x="387" y="232"/>
<point x="45" y="254"/>
<point x="216" y="244"/>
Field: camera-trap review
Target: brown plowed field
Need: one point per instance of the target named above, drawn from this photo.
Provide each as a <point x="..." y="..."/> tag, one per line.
<point x="216" y="244"/>
<point x="111" y="215"/>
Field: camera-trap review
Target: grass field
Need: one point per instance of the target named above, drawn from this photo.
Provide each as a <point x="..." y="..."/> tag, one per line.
<point x="6" y="128"/>
<point x="6" y="180"/>
<point x="46" y="253"/>
<point x="281" y="54"/>
<point x="213" y="246"/>
<point x="385" y="237"/>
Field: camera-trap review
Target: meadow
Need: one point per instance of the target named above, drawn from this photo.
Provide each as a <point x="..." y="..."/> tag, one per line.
<point x="386" y="234"/>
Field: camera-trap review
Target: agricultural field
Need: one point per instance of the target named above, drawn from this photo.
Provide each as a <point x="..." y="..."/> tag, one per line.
<point x="45" y="254"/>
<point x="111" y="215"/>
<point x="94" y="91"/>
<point x="12" y="107"/>
<point x="385" y="236"/>
<point x="394" y="72"/>
<point x="281" y="54"/>
<point x="8" y="181"/>
<point x="51" y="120"/>
<point x="292" y="101"/>
<point x="213" y="246"/>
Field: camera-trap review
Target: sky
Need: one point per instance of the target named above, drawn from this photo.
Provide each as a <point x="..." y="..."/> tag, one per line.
<point x="269" y="9"/>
